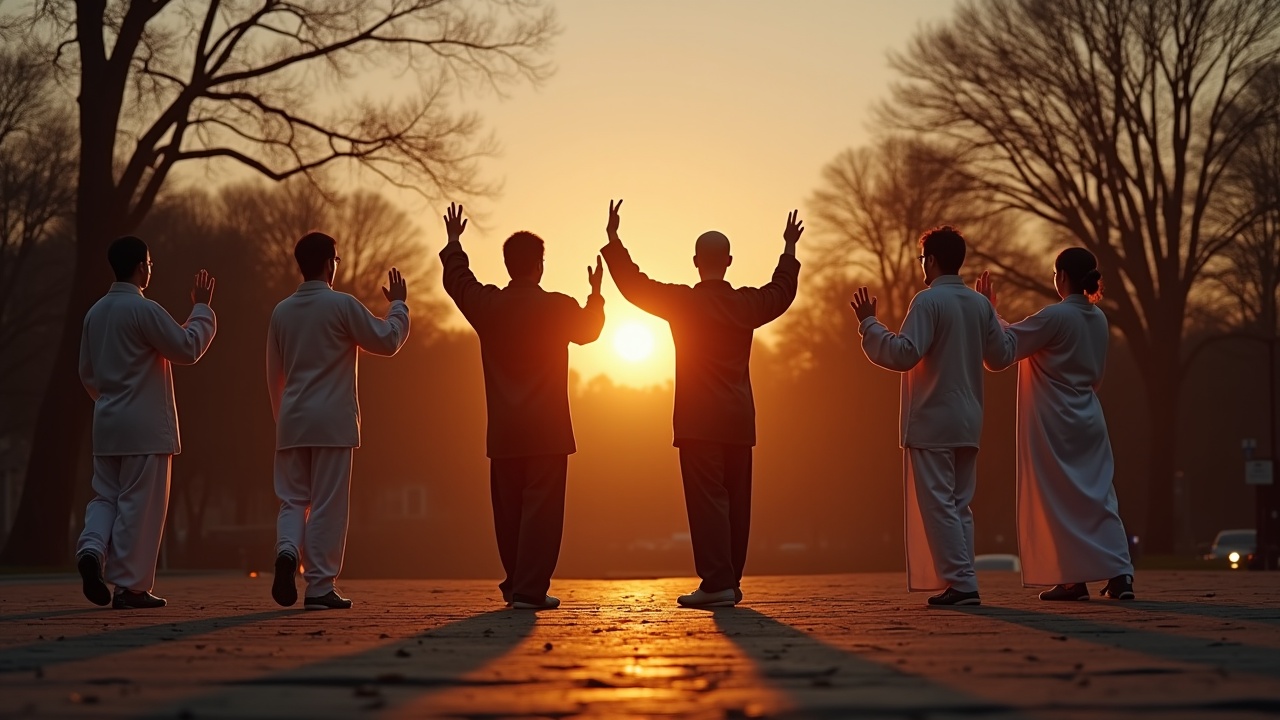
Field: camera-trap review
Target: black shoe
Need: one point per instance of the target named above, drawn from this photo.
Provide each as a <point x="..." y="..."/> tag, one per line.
<point x="91" y="581"/>
<point x="130" y="600"/>
<point x="1119" y="587"/>
<point x="330" y="601"/>
<point x="951" y="596"/>
<point x="737" y="595"/>
<point x="1070" y="591"/>
<point x="283" y="590"/>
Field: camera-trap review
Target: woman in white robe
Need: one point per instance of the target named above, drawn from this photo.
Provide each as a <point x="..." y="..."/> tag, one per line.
<point x="1069" y="527"/>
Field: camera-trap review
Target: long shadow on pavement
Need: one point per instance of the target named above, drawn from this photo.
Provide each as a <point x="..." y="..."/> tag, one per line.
<point x="1243" y="613"/>
<point x="48" y="614"/>
<point x="1230" y="656"/>
<point x="389" y="675"/>
<point x="25" y="658"/>
<point x="826" y="681"/>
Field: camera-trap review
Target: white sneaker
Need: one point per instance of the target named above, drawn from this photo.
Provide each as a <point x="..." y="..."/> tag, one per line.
<point x="698" y="598"/>
<point x="548" y="603"/>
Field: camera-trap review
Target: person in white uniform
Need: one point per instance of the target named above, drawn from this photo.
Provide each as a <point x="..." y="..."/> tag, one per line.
<point x="1069" y="527"/>
<point x="127" y="349"/>
<point x="949" y="332"/>
<point x="313" y="343"/>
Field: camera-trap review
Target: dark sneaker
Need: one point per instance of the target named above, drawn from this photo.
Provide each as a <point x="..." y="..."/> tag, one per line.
<point x="1070" y="591"/>
<point x="130" y="600"/>
<point x="283" y="590"/>
<point x="330" y="601"/>
<point x="952" y="596"/>
<point x="523" y="602"/>
<point x="737" y="595"/>
<point x="1119" y="587"/>
<point x="89" y="564"/>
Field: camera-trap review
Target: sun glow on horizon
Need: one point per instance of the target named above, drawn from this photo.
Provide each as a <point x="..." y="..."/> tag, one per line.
<point x="633" y="342"/>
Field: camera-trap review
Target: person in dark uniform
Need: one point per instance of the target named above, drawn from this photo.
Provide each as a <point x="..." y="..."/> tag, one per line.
<point x="712" y="324"/>
<point x="525" y="333"/>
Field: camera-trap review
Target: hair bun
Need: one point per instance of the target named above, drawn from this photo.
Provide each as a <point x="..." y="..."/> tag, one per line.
<point x="1091" y="281"/>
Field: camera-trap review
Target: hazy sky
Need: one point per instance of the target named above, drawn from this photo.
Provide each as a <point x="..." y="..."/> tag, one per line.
<point x="702" y="115"/>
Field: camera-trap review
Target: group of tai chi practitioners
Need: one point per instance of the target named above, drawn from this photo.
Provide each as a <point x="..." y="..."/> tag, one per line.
<point x="1069" y="531"/>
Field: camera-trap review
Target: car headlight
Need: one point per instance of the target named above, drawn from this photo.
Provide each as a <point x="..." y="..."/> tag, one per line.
<point x="1234" y="556"/>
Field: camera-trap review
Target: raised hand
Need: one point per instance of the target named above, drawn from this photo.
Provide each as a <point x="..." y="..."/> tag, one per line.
<point x="791" y="235"/>
<point x="398" y="290"/>
<point x="202" y="289"/>
<point x="987" y="286"/>
<point x="595" y="277"/>
<point x="864" y="304"/>
<point x="612" y="227"/>
<point x="453" y="222"/>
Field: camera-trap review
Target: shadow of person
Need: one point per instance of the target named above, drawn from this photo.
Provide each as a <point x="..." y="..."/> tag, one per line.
<point x="392" y="674"/>
<point x="1229" y="656"/>
<point x="25" y="658"/>
<point x="1240" y="613"/>
<point x="825" y="681"/>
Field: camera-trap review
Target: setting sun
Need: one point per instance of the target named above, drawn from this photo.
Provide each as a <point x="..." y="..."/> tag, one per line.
<point x="633" y="341"/>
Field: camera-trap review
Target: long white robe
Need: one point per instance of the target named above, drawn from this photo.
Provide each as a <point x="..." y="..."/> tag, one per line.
<point x="313" y="345"/>
<point x="948" y="333"/>
<point x="127" y="347"/>
<point x="1069" y="527"/>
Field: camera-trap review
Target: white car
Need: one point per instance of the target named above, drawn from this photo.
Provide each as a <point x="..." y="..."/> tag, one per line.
<point x="1234" y="546"/>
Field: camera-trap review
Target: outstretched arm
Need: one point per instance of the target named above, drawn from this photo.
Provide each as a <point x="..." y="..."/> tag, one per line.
<point x="183" y="344"/>
<point x="459" y="282"/>
<point x="585" y="323"/>
<point x="893" y="351"/>
<point x="766" y="303"/>
<point x="381" y="336"/>
<point x="653" y="297"/>
<point x="1001" y="347"/>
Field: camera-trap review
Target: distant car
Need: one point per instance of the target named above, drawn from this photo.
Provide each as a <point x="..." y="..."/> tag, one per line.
<point x="1234" y="546"/>
<point x="1002" y="562"/>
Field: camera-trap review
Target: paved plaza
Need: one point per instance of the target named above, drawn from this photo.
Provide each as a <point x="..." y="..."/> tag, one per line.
<point x="1196" y="645"/>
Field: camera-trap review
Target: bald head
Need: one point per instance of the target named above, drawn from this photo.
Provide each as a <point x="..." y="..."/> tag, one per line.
<point x="711" y="255"/>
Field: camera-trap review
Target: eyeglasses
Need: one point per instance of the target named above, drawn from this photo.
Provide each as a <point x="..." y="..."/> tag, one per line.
<point x="336" y="259"/>
<point x="921" y="257"/>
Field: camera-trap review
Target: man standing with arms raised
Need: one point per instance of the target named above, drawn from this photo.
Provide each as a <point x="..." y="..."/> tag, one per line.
<point x="712" y="324"/>
<point x="127" y="351"/>
<point x="525" y="333"/>
<point x="949" y="332"/>
<point x="313" y="344"/>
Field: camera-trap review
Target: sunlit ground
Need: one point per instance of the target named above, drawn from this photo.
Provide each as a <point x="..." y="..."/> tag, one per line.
<point x="1196" y="644"/>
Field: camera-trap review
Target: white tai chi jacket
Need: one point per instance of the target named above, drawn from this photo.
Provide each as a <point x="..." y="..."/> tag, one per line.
<point x="127" y="347"/>
<point x="1069" y="527"/>
<point x="312" y="346"/>
<point x="949" y="332"/>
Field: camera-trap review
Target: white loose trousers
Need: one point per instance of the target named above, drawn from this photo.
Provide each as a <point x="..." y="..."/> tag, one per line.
<point x="314" y="487"/>
<point x="940" y="483"/>
<point x="124" y="522"/>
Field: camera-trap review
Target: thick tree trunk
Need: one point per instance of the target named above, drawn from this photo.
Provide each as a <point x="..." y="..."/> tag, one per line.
<point x="1161" y="524"/>
<point x="40" y="531"/>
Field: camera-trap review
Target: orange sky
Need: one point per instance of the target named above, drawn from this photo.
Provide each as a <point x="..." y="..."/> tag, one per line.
<point x="702" y="115"/>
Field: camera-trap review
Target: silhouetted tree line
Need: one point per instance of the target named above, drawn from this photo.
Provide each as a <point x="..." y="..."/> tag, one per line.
<point x="1143" y="130"/>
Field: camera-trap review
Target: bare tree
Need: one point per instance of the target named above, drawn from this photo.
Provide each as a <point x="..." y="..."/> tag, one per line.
<point x="254" y="84"/>
<point x="37" y="158"/>
<point x="373" y="235"/>
<point x="1115" y="121"/>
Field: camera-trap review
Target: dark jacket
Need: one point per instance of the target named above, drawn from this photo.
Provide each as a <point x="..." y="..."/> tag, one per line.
<point x="525" y="333"/>
<point x="712" y="324"/>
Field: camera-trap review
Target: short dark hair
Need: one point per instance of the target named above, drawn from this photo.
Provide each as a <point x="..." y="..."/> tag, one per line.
<point x="1081" y="269"/>
<point x="125" y="255"/>
<point x="946" y="245"/>
<point x="522" y="252"/>
<point x="313" y="251"/>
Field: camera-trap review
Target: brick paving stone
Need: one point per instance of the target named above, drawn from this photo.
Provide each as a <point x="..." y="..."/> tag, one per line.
<point x="1196" y="645"/>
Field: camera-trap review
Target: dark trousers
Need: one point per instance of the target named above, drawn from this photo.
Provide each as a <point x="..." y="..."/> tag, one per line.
<point x="717" y="495"/>
<point x="528" y="515"/>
